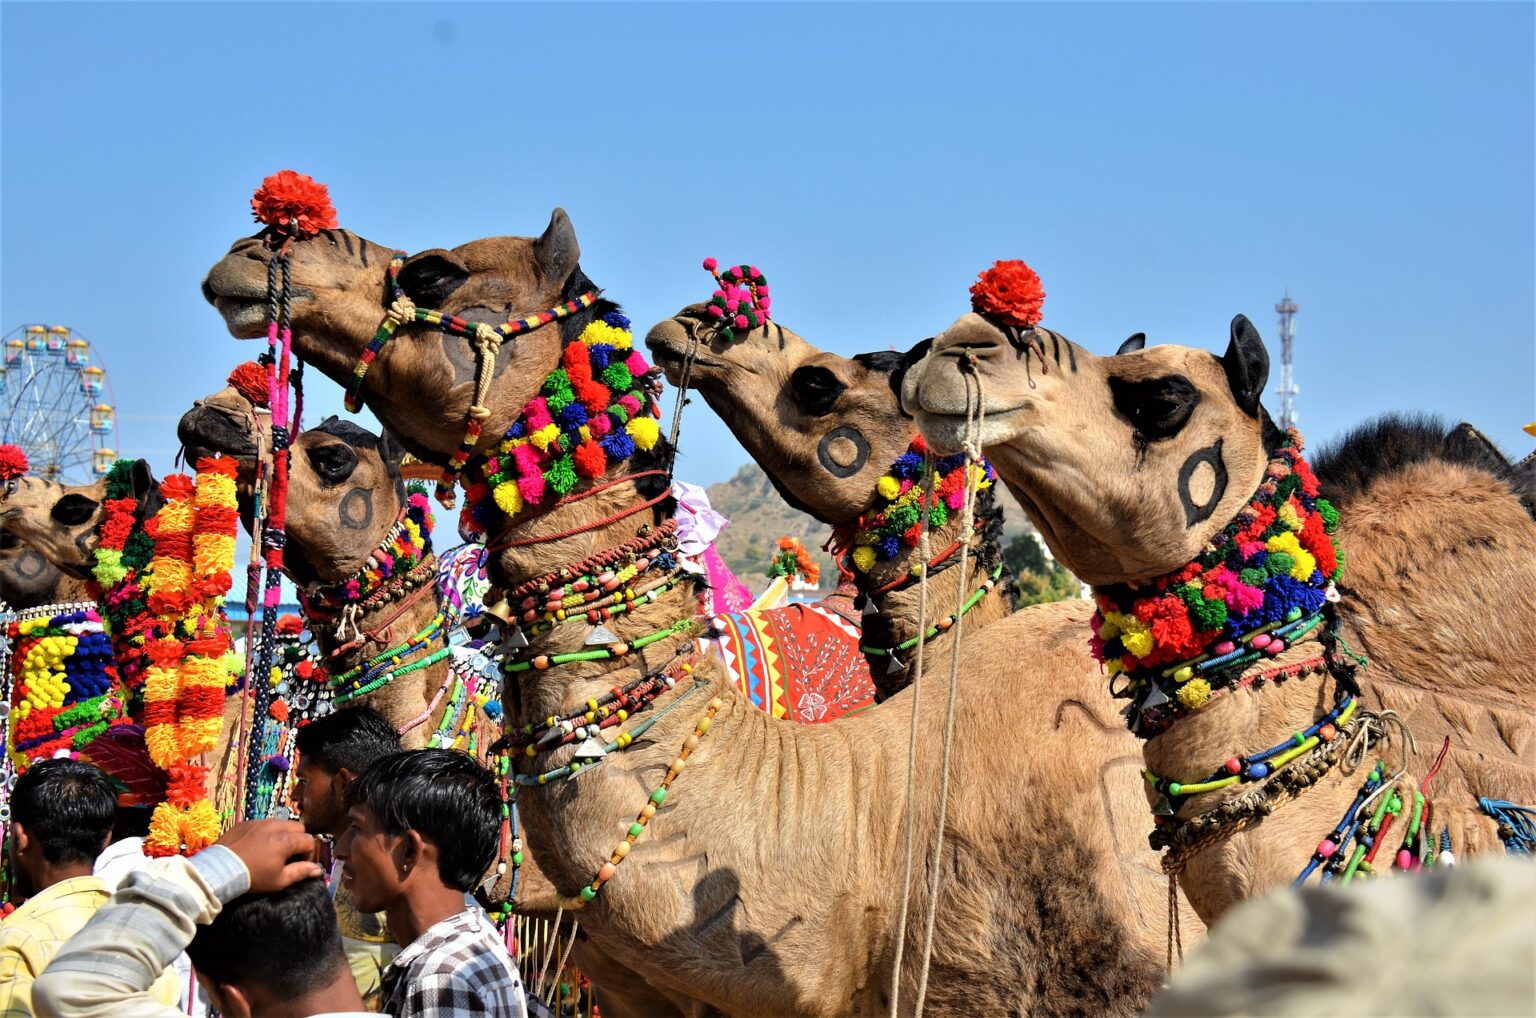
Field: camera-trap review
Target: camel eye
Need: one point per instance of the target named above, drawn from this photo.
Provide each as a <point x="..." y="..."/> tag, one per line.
<point x="333" y="461"/>
<point x="816" y="389"/>
<point x="1157" y="408"/>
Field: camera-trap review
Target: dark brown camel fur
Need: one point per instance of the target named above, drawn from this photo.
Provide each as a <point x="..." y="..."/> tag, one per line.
<point x="768" y="883"/>
<point x="1439" y="578"/>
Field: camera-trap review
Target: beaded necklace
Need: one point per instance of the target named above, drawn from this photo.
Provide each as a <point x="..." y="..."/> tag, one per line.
<point x="543" y="662"/>
<point x="1259" y="585"/>
<point x="597" y="408"/>
<point x="378" y="671"/>
<point x="881" y="535"/>
<point x="943" y="624"/>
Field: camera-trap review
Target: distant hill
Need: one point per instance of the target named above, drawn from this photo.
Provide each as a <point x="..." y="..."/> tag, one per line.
<point x="759" y="517"/>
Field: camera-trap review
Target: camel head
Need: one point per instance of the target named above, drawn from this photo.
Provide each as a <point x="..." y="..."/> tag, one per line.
<point x="59" y="521"/>
<point x="1128" y="465"/>
<point x="344" y="485"/>
<point x="28" y="580"/>
<point x="823" y="427"/>
<point x="340" y="292"/>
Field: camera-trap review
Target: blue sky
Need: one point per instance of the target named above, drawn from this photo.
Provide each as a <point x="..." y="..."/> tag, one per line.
<point x="1163" y="166"/>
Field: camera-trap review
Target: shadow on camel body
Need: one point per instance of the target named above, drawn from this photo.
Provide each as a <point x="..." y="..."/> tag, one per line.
<point x="1130" y="465"/>
<point x="767" y="881"/>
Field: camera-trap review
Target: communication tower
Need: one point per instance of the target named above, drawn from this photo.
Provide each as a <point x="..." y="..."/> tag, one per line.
<point x="1287" y="391"/>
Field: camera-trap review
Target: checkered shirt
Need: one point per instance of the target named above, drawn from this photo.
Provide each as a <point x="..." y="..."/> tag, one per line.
<point x="458" y="967"/>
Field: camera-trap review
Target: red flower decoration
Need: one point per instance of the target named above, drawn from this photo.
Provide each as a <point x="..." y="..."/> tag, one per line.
<point x="294" y="203"/>
<point x="13" y="462"/>
<point x="1009" y="291"/>
<point x="250" y="380"/>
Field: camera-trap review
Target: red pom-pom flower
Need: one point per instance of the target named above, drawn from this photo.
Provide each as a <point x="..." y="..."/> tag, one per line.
<point x="250" y="380"/>
<point x="294" y="204"/>
<point x="1009" y="291"/>
<point x="13" y="462"/>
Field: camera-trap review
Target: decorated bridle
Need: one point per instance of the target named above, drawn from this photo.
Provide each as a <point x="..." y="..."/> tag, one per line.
<point x="486" y="340"/>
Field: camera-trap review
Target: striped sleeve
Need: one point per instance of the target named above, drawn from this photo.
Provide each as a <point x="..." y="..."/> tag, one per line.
<point x="109" y="966"/>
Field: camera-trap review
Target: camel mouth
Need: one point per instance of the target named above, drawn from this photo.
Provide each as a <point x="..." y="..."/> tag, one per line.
<point x="241" y="298"/>
<point x="207" y="431"/>
<point x="947" y="432"/>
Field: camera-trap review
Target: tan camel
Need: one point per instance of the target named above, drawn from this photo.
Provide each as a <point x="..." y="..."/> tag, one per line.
<point x="769" y="880"/>
<point x="28" y="580"/>
<point x="1130" y="465"/>
<point x="825" y="429"/>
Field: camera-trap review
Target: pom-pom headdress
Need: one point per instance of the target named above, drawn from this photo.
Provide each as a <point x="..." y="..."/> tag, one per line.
<point x="1009" y="292"/>
<point x="13" y="462"/>
<point x="294" y="204"/>
<point x="250" y="380"/>
<point x="741" y="302"/>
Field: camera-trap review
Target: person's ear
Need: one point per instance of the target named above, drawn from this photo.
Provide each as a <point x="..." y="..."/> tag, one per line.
<point x="20" y="839"/>
<point x="228" y="998"/>
<point x="343" y="781"/>
<point x="411" y="851"/>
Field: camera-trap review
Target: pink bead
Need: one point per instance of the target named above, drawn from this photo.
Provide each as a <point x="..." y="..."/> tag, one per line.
<point x="1275" y="647"/>
<point x="1326" y="848"/>
<point x="1260" y="642"/>
<point x="605" y="873"/>
<point x="1404" y="859"/>
<point x="1224" y="647"/>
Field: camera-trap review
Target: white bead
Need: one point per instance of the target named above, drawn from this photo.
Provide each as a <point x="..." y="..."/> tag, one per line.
<point x="1446" y="858"/>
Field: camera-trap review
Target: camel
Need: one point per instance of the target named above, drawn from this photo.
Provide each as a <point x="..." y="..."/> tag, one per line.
<point x="825" y="429"/>
<point x="762" y="882"/>
<point x="1133" y="465"/>
<point x="28" y="580"/>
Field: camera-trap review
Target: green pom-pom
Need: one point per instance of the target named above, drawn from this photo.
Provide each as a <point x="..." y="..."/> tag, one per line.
<point x="1208" y="614"/>
<point x="1284" y="487"/>
<point x="1330" y="516"/>
<point x="120" y="480"/>
<point x="561" y="475"/>
<point x="1253" y="577"/>
<point x="938" y="516"/>
<point x="1338" y="572"/>
<point x="902" y="517"/>
<point x="1279" y="563"/>
<point x="617" y="377"/>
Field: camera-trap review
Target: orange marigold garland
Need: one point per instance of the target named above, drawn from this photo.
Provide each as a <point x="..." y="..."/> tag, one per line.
<point x="793" y="560"/>
<point x="190" y="651"/>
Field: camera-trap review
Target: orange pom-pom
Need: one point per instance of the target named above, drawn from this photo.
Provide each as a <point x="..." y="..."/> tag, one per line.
<point x="294" y="203"/>
<point x="1009" y="291"/>
<point x="590" y="459"/>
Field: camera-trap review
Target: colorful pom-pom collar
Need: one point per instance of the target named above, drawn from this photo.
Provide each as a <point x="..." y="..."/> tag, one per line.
<point x="406" y="545"/>
<point x="1259" y="584"/>
<point x="896" y="524"/>
<point x="595" y="410"/>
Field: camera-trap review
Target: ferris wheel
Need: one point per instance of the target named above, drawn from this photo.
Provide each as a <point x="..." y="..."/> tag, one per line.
<point x="56" y="404"/>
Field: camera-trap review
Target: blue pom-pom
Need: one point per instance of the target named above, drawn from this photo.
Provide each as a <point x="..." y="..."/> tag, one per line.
<point x="888" y="547"/>
<point x="601" y="354"/>
<point x="616" y="320"/>
<point x="618" y="444"/>
<point x="519" y="428"/>
<point x="492" y="709"/>
<point x="572" y="415"/>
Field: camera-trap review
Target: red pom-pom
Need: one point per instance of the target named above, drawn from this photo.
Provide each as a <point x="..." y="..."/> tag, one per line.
<point x="591" y="460"/>
<point x="13" y="462"/>
<point x="294" y="204"/>
<point x="290" y="625"/>
<point x="250" y="380"/>
<point x="1009" y="291"/>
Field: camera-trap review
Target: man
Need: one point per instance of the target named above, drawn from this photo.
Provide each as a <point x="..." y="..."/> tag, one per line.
<point x="252" y="912"/>
<point x="422" y="832"/>
<point x="333" y="752"/>
<point x="62" y="812"/>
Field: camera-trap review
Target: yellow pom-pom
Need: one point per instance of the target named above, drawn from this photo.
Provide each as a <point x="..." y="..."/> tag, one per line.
<point x="1110" y="627"/>
<point x="545" y="435"/>
<point x="585" y="433"/>
<point x="645" y="431"/>
<point x="508" y="498"/>
<point x="1286" y="514"/>
<point x="1195" y="693"/>
<point x="863" y="558"/>
<point x="888" y="487"/>
<point x="1136" y="636"/>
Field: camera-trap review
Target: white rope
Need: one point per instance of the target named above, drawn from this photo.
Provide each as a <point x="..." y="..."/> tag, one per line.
<point x="973" y="422"/>
<point x="917" y="688"/>
<point x="564" y="957"/>
<point x="552" y="937"/>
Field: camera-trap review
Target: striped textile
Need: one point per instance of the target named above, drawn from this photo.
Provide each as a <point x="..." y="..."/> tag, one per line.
<point x="797" y="661"/>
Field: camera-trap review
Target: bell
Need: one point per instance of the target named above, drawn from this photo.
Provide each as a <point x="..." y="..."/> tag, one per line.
<point x="501" y="611"/>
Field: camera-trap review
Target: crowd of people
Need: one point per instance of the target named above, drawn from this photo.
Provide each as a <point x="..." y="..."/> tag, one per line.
<point x="392" y="927"/>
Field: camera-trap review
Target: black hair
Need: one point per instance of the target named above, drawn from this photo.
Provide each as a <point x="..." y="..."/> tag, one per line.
<point x="447" y="798"/>
<point x="287" y="942"/>
<point x="1388" y="444"/>
<point x="354" y="737"/>
<point x="69" y="806"/>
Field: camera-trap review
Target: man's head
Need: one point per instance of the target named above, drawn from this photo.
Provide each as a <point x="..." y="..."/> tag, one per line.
<point x="334" y="752"/>
<point x="62" y="812"/>
<point x="423" y="820"/>
<point x="263" y="949"/>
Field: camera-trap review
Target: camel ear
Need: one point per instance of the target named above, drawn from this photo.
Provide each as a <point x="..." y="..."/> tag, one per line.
<point x="74" y="509"/>
<point x="557" y="251"/>
<point x="430" y="277"/>
<point x="1247" y="365"/>
<point x="143" y="480"/>
<point x="1136" y="342"/>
